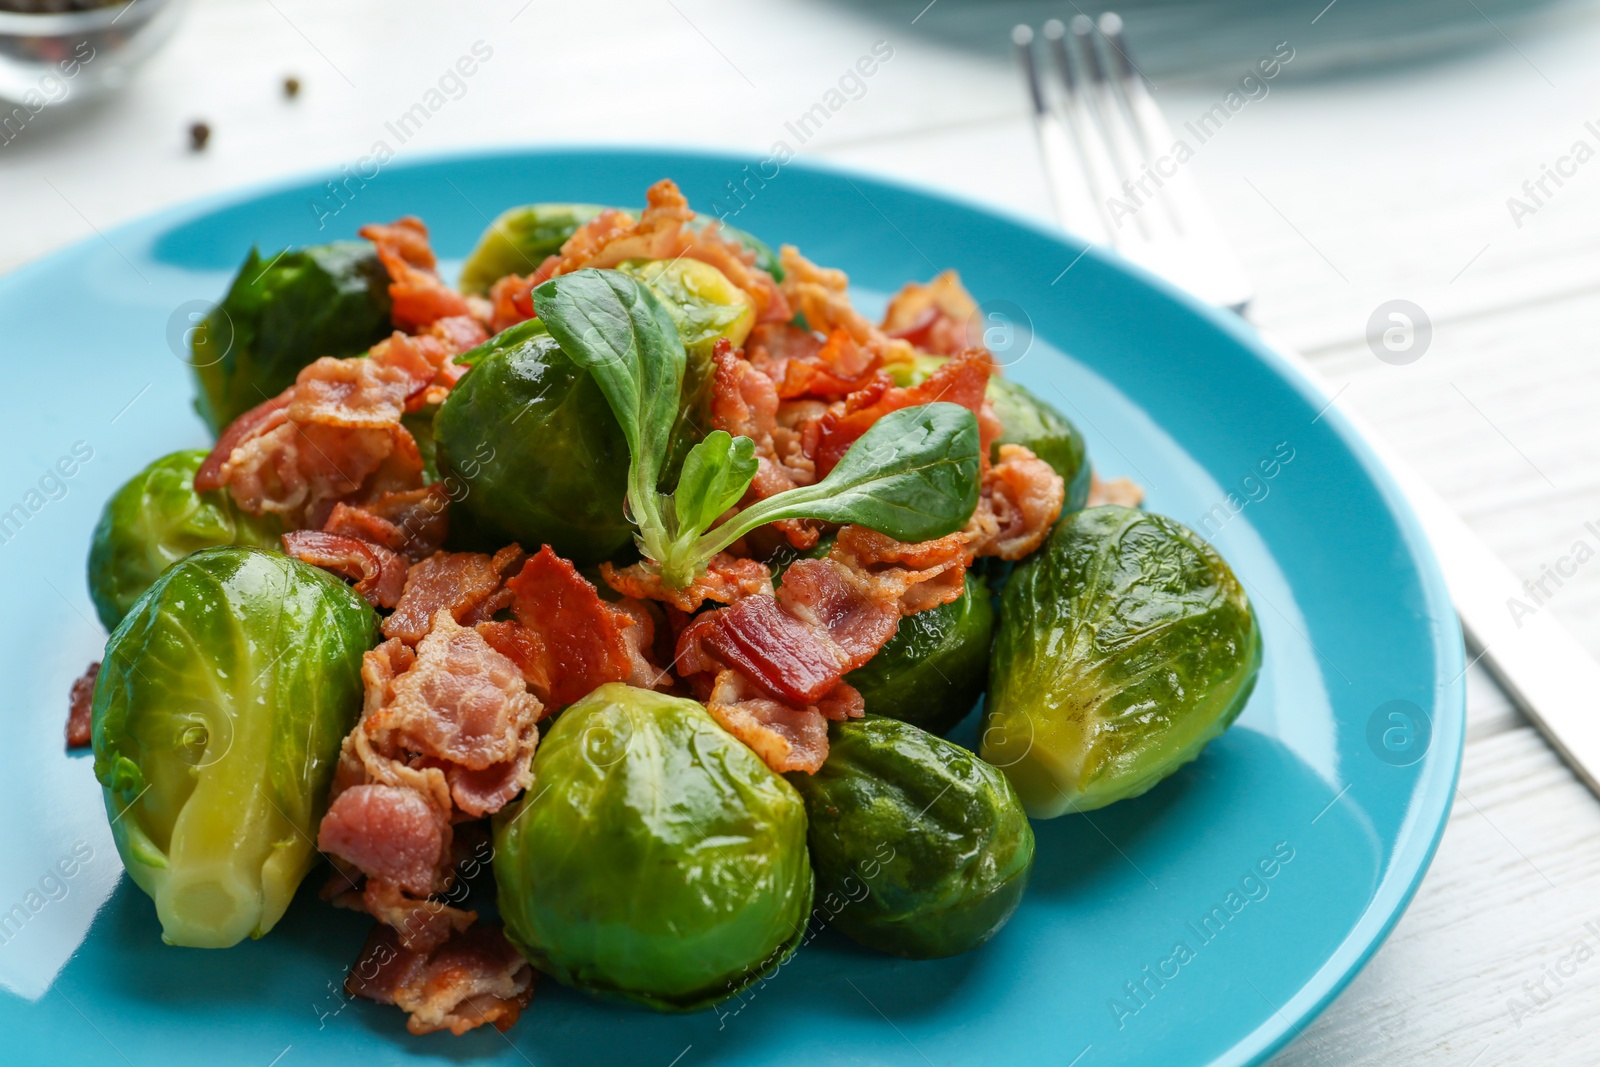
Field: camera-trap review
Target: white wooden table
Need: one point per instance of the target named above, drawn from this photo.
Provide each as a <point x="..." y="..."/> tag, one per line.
<point x="1377" y="166"/>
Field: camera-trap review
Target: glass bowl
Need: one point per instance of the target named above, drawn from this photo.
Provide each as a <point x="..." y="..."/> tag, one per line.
<point x="52" y="58"/>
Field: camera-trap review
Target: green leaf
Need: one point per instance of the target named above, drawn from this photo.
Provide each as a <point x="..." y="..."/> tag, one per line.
<point x="613" y="327"/>
<point x="913" y="476"/>
<point x="715" y="475"/>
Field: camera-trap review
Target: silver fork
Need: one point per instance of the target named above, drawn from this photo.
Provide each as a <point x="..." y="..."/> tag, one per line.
<point x="1135" y="194"/>
<point x="1102" y="139"/>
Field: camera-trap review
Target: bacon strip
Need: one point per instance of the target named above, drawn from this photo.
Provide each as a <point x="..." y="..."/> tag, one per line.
<point x="80" y="708"/>
<point x="420" y="297"/>
<point x="822" y="295"/>
<point x="378" y="573"/>
<point x="413" y="523"/>
<point x="447" y="734"/>
<point x="727" y="580"/>
<point x="475" y="977"/>
<point x="464" y="583"/>
<point x="583" y="641"/>
<point x="940" y="318"/>
<point x="963" y="379"/>
<point x="1021" y="498"/>
<point x="776" y="665"/>
<point x="744" y="402"/>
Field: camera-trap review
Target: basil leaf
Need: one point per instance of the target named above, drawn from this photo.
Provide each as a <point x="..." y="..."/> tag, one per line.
<point x="715" y="475"/>
<point x="615" y="328"/>
<point x="913" y="476"/>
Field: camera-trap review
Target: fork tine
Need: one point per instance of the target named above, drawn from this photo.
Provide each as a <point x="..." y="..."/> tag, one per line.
<point x="1094" y="161"/>
<point x="1074" y="204"/>
<point x="1197" y="237"/>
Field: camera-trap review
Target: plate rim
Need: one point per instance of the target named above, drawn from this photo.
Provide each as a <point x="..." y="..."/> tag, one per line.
<point x="1418" y="841"/>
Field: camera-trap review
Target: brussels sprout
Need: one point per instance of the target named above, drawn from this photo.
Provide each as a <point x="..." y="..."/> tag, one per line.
<point x="539" y="455"/>
<point x="519" y="240"/>
<point x="933" y="669"/>
<point x="153" y="521"/>
<point x="1125" y="644"/>
<point x="657" y="860"/>
<point x="703" y="303"/>
<point x="1031" y="422"/>
<point x="921" y="848"/>
<point x="283" y="313"/>
<point x="218" y="716"/>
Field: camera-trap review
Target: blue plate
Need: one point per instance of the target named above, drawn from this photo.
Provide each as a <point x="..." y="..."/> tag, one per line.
<point x="1203" y="923"/>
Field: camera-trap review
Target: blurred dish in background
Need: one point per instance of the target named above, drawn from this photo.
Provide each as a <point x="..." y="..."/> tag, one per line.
<point x="55" y="51"/>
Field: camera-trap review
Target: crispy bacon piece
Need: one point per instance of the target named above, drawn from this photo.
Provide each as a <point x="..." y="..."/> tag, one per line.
<point x="744" y="402"/>
<point x="461" y="706"/>
<point x="523" y="647"/>
<point x="422" y="925"/>
<point x="662" y="231"/>
<point x="772" y="649"/>
<point x="390" y="833"/>
<point x="776" y="664"/>
<point x="909" y="577"/>
<point x="80" y="708"/>
<point x="379" y="574"/>
<point x="413" y="523"/>
<point x="940" y="318"/>
<point x="822" y="295"/>
<point x="475" y="977"/>
<point x="420" y="297"/>
<point x="258" y="420"/>
<point x="1121" y="491"/>
<point x="801" y="364"/>
<point x="465" y="583"/>
<point x="786" y="738"/>
<point x="1021" y="499"/>
<point x="727" y="580"/>
<point x="962" y="380"/>
<point x="585" y="642"/>
<point x="332" y="435"/>
<point x="428" y="358"/>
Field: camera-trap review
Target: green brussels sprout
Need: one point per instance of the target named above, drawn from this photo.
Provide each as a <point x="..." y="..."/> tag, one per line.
<point x="1029" y="421"/>
<point x="153" y="521"/>
<point x="518" y="241"/>
<point x="1125" y="645"/>
<point x="658" y="860"/>
<point x="538" y="454"/>
<point x="933" y="670"/>
<point x="281" y="314"/>
<point x="921" y="848"/>
<point x="1025" y="420"/>
<point x="218" y="716"/>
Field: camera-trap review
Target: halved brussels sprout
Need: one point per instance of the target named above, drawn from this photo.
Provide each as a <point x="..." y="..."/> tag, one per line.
<point x="1125" y="645"/>
<point x="537" y="453"/>
<point x="218" y="716"/>
<point x="1030" y="422"/>
<point x="518" y="241"/>
<point x="153" y="521"/>
<point x="281" y="314"/>
<point x="921" y="848"/>
<point x="933" y="670"/>
<point x="656" y="859"/>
